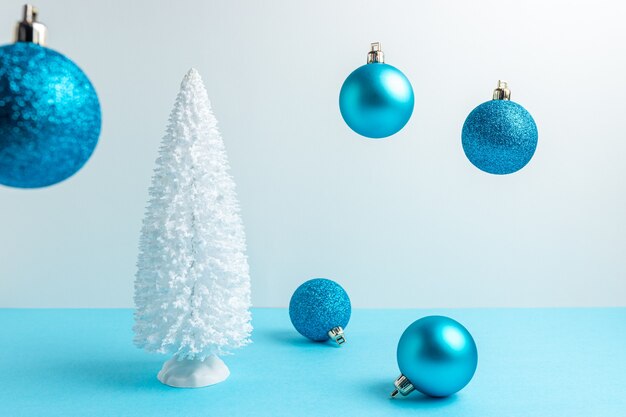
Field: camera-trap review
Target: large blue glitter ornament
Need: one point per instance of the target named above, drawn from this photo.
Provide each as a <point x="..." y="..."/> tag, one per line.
<point x="320" y="309"/>
<point x="376" y="100"/>
<point x="49" y="111"/>
<point x="499" y="136"/>
<point x="437" y="356"/>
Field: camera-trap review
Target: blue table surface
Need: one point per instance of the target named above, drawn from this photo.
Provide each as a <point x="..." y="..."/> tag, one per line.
<point x="532" y="362"/>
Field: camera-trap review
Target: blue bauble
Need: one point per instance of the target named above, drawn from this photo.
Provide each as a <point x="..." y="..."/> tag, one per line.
<point x="49" y="116"/>
<point x="437" y="355"/>
<point x="376" y="100"/>
<point x="499" y="137"/>
<point x="318" y="306"/>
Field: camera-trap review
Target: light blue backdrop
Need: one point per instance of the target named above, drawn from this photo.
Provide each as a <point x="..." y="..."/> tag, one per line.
<point x="401" y="222"/>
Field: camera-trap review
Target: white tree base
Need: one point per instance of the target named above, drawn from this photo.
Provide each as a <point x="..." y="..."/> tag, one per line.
<point x="193" y="373"/>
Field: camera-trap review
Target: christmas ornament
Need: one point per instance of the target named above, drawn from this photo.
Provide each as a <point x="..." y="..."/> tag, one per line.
<point x="320" y="309"/>
<point x="192" y="288"/>
<point x="49" y="111"/>
<point x="376" y="100"/>
<point x="499" y="136"/>
<point x="437" y="356"/>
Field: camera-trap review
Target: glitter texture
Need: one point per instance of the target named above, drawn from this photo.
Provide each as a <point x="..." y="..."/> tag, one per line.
<point x="317" y="306"/>
<point x="499" y="137"/>
<point x="49" y="116"/>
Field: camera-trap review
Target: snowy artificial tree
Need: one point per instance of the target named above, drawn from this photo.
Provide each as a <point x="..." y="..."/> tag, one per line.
<point x="192" y="288"/>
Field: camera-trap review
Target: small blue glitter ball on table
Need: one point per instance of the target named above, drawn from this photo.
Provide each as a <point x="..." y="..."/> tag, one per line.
<point x="499" y="137"/>
<point x="318" y="306"/>
<point x="437" y="355"/>
<point x="49" y="116"/>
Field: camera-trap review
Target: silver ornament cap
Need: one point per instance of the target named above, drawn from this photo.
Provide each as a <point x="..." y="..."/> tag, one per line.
<point x="29" y="29"/>
<point x="403" y="386"/>
<point x="375" y="55"/>
<point x="502" y="91"/>
<point x="336" y="334"/>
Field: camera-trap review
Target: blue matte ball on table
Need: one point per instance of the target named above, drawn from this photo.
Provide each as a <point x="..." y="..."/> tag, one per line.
<point x="49" y="116"/>
<point x="436" y="356"/>
<point x="320" y="309"/>
<point x="376" y="100"/>
<point x="499" y="136"/>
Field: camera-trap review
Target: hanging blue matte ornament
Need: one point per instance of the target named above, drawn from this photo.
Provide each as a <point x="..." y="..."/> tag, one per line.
<point x="437" y="356"/>
<point x="320" y="309"/>
<point x="49" y="111"/>
<point x="376" y="100"/>
<point x="499" y="136"/>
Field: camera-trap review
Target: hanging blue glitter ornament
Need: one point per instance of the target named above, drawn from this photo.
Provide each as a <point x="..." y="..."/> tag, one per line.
<point x="320" y="309"/>
<point x="376" y="100"/>
<point x="437" y="356"/>
<point x="49" y="111"/>
<point x="499" y="136"/>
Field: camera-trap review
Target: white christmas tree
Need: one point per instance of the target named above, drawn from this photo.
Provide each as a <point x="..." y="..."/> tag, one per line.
<point x="192" y="288"/>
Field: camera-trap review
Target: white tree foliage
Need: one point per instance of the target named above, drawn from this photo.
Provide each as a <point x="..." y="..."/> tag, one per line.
<point x="192" y="288"/>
